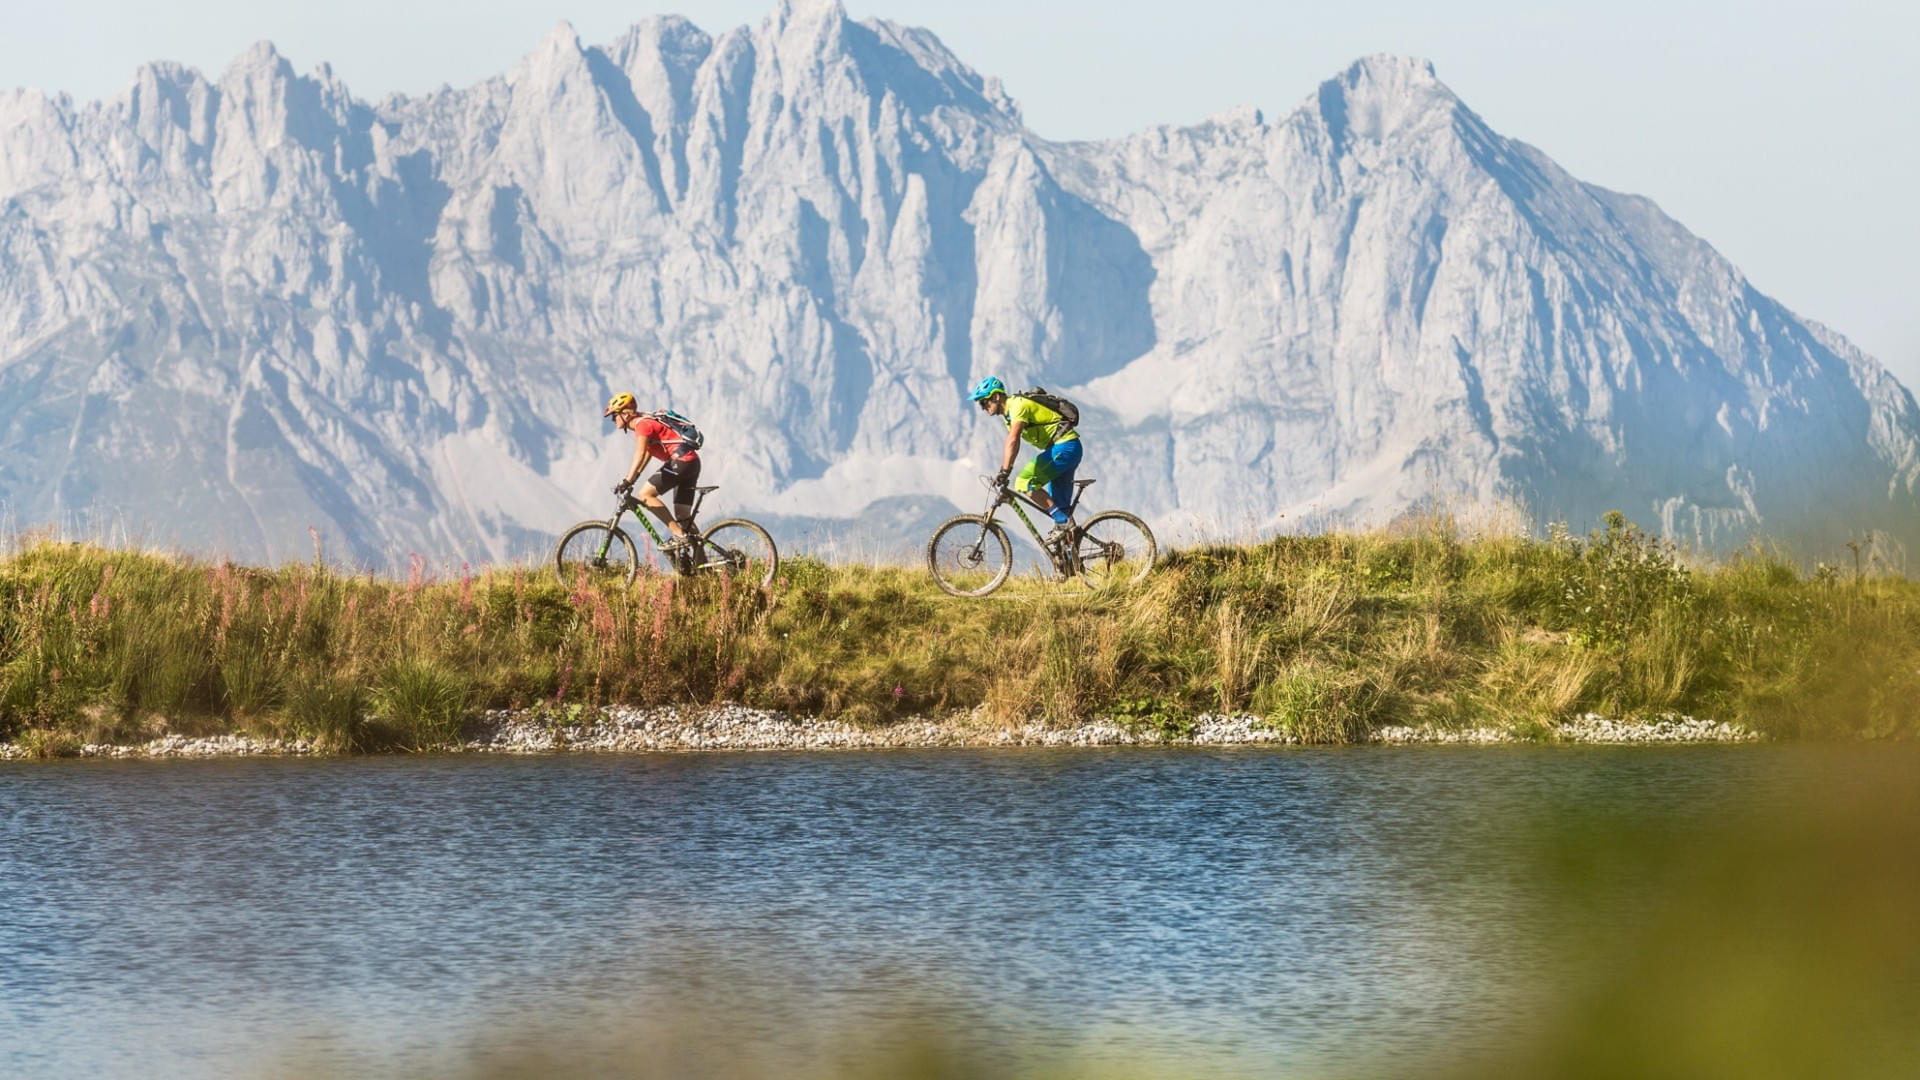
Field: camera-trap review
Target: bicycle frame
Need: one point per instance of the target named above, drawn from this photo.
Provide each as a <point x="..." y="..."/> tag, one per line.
<point x="646" y="520"/>
<point x="1006" y="496"/>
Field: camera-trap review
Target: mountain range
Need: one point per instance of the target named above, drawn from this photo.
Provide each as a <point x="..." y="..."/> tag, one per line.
<point x="234" y="309"/>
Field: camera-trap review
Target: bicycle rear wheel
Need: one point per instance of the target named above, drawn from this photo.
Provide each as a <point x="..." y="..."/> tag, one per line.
<point x="1114" y="548"/>
<point x="970" y="555"/>
<point x="741" y="548"/>
<point x="594" y="554"/>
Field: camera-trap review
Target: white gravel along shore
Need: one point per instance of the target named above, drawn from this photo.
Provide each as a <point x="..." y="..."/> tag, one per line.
<point x="735" y="727"/>
<point x="180" y="746"/>
<point x="620" y="729"/>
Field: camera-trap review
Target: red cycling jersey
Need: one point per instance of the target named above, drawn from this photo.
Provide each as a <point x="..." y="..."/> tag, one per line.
<point x="661" y="441"/>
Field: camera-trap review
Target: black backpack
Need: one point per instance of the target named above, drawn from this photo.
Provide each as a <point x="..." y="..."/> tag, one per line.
<point x="1069" y="412"/>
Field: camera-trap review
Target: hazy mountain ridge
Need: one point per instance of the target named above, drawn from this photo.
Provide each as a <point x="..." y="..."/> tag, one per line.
<point x="272" y="304"/>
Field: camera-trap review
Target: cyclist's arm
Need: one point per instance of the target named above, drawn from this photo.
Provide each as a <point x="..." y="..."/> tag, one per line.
<point x="1013" y="445"/>
<point x="639" y="460"/>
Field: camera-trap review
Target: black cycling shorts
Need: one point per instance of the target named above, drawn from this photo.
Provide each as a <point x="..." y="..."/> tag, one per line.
<point x="678" y="477"/>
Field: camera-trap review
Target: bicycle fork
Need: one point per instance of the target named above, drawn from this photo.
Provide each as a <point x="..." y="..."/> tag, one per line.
<point x="606" y="539"/>
<point x="979" y="550"/>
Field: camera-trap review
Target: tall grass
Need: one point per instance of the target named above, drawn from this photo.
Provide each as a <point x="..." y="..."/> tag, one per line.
<point x="1327" y="637"/>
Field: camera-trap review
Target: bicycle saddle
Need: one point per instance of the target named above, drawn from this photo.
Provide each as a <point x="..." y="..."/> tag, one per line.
<point x="704" y="490"/>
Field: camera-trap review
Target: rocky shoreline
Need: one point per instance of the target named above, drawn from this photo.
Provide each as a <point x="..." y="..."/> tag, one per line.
<point x="621" y="729"/>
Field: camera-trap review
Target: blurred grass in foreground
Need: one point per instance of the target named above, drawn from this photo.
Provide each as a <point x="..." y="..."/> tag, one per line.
<point x="1326" y="637"/>
<point x="1777" y="938"/>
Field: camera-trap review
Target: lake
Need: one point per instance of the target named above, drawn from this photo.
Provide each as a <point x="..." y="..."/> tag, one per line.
<point x="1181" y="911"/>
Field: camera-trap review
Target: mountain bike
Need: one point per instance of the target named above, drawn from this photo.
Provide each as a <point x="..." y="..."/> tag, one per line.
<point x="970" y="555"/>
<point x="601" y="551"/>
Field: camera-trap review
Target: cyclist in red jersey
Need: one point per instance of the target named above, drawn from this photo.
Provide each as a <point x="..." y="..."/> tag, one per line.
<point x="679" y="473"/>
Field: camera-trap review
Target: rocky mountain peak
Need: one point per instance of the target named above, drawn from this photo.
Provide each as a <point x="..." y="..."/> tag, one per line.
<point x="558" y="55"/>
<point x="789" y="15"/>
<point x="1379" y="97"/>
<point x="286" y="307"/>
<point x="261" y="61"/>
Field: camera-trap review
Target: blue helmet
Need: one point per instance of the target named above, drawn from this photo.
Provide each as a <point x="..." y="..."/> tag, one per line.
<point x="986" y="388"/>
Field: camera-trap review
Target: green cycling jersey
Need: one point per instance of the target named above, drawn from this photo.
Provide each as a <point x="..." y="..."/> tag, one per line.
<point x="1043" y="424"/>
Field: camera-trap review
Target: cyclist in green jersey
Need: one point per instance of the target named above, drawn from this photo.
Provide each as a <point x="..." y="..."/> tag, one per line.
<point x="1048" y="478"/>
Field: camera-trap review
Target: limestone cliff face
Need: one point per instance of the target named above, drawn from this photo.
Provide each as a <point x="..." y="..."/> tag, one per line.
<point x="232" y="309"/>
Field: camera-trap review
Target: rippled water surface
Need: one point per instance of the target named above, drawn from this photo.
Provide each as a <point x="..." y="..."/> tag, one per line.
<point x="1212" y="911"/>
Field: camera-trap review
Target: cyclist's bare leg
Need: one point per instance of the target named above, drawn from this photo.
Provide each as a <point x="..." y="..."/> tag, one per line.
<point x="651" y="500"/>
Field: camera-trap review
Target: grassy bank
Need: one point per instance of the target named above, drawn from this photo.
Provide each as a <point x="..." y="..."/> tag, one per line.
<point x="1326" y="637"/>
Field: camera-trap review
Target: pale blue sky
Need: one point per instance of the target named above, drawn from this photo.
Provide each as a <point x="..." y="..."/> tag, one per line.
<point x="1786" y="134"/>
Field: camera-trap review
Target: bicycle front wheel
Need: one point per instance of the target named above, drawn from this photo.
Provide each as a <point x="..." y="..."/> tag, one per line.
<point x="970" y="555"/>
<point x="1114" y="548"/>
<point x="595" y="554"/>
<point x="741" y="548"/>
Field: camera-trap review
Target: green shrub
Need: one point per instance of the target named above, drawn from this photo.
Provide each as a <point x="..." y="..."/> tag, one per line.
<point x="1613" y="582"/>
<point x="250" y="682"/>
<point x="331" y="713"/>
<point x="1317" y="705"/>
<point x="1152" y="716"/>
<point x="46" y="744"/>
<point x="422" y="704"/>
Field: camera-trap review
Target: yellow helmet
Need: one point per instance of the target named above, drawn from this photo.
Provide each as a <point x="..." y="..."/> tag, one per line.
<point x="619" y="403"/>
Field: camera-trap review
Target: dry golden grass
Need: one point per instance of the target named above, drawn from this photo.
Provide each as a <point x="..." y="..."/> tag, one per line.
<point x="1327" y="637"/>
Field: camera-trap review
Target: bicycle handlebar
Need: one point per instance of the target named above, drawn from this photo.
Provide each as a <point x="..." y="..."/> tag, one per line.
<point x="1002" y="493"/>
